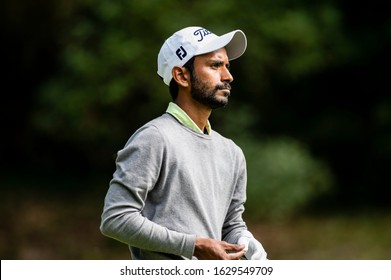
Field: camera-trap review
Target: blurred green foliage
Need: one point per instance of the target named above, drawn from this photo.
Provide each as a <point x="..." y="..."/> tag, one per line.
<point x="283" y="178"/>
<point x="82" y="77"/>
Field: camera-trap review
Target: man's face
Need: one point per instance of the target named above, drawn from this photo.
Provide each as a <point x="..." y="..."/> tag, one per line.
<point x="210" y="82"/>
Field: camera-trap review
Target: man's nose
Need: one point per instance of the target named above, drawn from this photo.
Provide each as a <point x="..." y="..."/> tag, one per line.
<point x="226" y="76"/>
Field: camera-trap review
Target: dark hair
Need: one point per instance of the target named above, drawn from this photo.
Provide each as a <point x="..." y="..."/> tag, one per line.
<point x="173" y="87"/>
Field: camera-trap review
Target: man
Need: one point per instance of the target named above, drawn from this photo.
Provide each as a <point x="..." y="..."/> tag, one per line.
<point x="179" y="187"/>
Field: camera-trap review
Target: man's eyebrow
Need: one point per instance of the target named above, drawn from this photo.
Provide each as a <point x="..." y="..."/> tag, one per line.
<point x="219" y="62"/>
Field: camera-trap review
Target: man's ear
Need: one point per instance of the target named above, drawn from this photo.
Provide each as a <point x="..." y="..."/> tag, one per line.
<point x="181" y="75"/>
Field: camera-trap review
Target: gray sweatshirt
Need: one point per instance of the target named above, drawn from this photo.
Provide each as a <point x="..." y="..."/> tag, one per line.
<point x="172" y="185"/>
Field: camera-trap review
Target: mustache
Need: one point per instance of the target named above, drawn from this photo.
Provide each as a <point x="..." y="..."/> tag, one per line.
<point x="223" y="86"/>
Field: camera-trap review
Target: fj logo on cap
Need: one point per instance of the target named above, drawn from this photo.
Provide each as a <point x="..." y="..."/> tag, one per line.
<point x="201" y="33"/>
<point x="181" y="53"/>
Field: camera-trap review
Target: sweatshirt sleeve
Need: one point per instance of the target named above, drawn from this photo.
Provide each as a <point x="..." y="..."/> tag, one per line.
<point x="137" y="171"/>
<point x="234" y="225"/>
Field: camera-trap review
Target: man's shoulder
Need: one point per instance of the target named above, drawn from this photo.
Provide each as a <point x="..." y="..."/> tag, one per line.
<point x="227" y="142"/>
<point x="160" y="124"/>
<point x="155" y="127"/>
<point x="218" y="136"/>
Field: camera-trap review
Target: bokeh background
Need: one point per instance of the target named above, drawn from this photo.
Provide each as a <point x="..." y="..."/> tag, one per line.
<point x="310" y="106"/>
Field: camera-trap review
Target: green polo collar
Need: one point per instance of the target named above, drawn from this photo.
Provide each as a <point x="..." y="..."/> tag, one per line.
<point x="184" y="118"/>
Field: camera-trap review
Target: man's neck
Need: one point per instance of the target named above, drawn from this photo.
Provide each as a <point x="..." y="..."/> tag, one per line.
<point x="196" y="111"/>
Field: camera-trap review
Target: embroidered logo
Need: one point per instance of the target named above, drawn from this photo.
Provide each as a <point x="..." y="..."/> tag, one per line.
<point x="201" y="33"/>
<point x="181" y="53"/>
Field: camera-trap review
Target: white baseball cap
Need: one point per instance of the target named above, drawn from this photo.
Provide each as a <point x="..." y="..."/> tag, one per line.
<point x="195" y="40"/>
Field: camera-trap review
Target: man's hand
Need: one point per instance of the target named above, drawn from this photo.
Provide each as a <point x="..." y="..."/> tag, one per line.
<point x="210" y="249"/>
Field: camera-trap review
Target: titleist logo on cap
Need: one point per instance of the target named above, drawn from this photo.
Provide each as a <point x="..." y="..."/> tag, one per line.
<point x="201" y="33"/>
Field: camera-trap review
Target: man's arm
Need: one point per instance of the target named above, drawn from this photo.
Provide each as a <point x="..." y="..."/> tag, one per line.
<point x="234" y="225"/>
<point x="235" y="229"/>
<point x="138" y="167"/>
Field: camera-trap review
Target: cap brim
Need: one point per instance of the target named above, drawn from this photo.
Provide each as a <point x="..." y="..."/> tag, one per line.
<point x="235" y="42"/>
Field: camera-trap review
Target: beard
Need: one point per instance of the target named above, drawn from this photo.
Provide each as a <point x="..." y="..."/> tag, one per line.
<point x="207" y="95"/>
